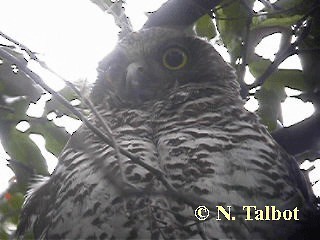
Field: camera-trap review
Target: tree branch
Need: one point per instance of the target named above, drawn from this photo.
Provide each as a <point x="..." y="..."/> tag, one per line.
<point x="188" y="199"/>
<point x="180" y="13"/>
<point x="300" y="137"/>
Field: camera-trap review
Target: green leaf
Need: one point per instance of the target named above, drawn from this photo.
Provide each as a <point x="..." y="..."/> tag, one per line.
<point x="11" y="207"/>
<point x="272" y="91"/>
<point x="53" y="105"/>
<point x="19" y="107"/>
<point x="22" y="149"/>
<point x="3" y="234"/>
<point x="205" y="27"/>
<point x="270" y="106"/>
<point x="292" y="78"/>
<point x="231" y="22"/>
<point x="56" y="137"/>
<point x="288" y="21"/>
<point x="13" y="82"/>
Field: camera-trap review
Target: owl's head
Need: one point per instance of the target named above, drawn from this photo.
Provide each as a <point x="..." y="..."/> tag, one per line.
<point x="152" y="63"/>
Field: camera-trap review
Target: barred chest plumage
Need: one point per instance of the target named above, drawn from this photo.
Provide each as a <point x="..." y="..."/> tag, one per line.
<point x="210" y="159"/>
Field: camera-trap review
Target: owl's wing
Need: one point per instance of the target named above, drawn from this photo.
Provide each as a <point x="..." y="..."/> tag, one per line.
<point x="35" y="207"/>
<point x="92" y="194"/>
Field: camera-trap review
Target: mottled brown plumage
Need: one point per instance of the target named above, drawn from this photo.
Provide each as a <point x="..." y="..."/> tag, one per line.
<point x="171" y="100"/>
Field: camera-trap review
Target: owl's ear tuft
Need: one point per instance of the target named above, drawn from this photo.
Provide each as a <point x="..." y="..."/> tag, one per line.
<point x="103" y="83"/>
<point x="99" y="88"/>
<point x="110" y="71"/>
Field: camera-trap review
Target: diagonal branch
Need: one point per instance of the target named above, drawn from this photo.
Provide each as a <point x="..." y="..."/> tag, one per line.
<point x="301" y="136"/>
<point x="280" y="57"/>
<point x="181" y="13"/>
<point x="116" y="9"/>
<point x="188" y="199"/>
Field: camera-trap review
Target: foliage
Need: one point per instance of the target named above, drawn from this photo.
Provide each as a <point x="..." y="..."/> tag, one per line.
<point x="242" y="29"/>
<point x="233" y="23"/>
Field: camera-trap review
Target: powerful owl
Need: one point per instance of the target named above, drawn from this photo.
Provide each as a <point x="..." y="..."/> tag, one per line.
<point x="170" y="101"/>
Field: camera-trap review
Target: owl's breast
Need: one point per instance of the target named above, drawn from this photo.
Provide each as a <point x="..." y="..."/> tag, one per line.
<point x="210" y="145"/>
<point x="216" y="152"/>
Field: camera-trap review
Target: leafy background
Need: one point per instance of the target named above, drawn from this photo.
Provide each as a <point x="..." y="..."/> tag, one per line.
<point x="234" y="25"/>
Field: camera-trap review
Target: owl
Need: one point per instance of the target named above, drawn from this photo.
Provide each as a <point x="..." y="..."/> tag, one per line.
<point x="171" y="101"/>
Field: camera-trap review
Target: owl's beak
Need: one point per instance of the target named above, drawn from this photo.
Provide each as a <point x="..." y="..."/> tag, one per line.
<point x="136" y="75"/>
<point x="139" y="82"/>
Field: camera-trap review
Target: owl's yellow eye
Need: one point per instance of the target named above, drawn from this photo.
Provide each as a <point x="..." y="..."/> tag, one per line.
<point x="174" y="58"/>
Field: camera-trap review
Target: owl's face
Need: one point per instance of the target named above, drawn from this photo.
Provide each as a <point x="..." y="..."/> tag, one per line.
<point x="150" y="64"/>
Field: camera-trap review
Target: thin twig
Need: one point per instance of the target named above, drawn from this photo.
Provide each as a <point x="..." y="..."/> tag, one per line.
<point x="107" y="138"/>
<point x="291" y="50"/>
<point x="136" y="159"/>
<point x="60" y="98"/>
<point x="116" y="9"/>
<point x="156" y="223"/>
<point x="71" y="85"/>
<point x="21" y="46"/>
<point x="87" y="102"/>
